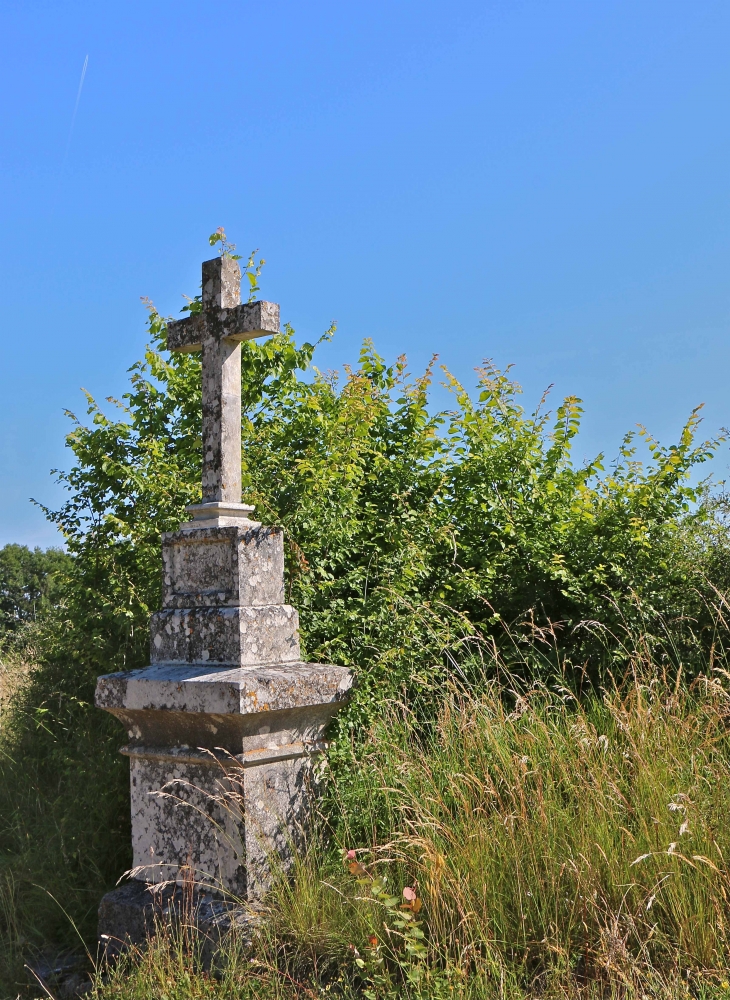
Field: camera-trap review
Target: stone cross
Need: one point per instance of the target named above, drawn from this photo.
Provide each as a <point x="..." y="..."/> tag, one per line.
<point x="225" y="722"/>
<point x="217" y="331"/>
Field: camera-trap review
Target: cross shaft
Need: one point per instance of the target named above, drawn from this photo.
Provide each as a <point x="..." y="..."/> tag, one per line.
<point x="217" y="332"/>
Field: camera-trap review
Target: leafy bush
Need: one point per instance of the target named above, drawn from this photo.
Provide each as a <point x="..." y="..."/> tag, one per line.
<point x="404" y="527"/>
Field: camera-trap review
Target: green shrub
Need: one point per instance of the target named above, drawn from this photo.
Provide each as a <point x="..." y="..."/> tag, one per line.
<point x="405" y="528"/>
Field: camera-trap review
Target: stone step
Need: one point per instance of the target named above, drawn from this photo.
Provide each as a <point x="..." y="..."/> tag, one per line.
<point x="233" y="708"/>
<point x="235" y="636"/>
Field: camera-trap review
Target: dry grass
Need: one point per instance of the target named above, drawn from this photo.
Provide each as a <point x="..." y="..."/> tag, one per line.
<point x="559" y="849"/>
<point x="561" y="839"/>
<point x="14" y="672"/>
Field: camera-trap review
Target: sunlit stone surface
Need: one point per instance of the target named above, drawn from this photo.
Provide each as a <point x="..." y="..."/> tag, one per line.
<point x="224" y="725"/>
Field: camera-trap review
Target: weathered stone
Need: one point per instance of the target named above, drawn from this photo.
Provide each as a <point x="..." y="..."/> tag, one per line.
<point x="218" y="331"/>
<point x="218" y="815"/>
<point x="187" y="812"/>
<point x="129" y="914"/>
<point x="220" y="770"/>
<point x="171" y="694"/>
<point x="242" y="564"/>
<point x="225" y="635"/>
<point x="126" y="916"/>
<point x="225" y="722"/>
<point x="246" y="321"/>
<point x="234" y="513"/>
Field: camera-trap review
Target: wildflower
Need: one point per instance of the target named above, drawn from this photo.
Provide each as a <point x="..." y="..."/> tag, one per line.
<point x="353" y="865"/>
<point x="413" y="903"/>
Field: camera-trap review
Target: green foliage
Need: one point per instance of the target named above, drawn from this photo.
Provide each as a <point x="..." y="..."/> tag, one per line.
<point x="30" y="583"/>
<point x="406" y="530"/>
<point x="400" y="945"/>
<point x="252" y="270"/>
<point x="64" y="803"/>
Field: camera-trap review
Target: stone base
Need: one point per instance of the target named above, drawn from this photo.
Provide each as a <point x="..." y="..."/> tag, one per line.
<point x="135" y="911"/>
<point x="221" y="766"/>
<point x="222" y="819"/>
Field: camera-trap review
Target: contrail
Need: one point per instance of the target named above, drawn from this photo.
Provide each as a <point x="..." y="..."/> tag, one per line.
<point x="76" y="108"/>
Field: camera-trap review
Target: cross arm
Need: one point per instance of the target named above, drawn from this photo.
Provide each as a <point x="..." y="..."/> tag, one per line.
<point x="186" y="334"/>
<point x="243" y="322"/>
<point x="250" y="320"/>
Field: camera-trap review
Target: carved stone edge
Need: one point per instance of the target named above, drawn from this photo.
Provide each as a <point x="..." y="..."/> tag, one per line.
<point x="221" y="758"/>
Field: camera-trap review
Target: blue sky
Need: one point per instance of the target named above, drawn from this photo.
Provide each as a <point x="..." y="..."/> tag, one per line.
<point x="539" y="182"/>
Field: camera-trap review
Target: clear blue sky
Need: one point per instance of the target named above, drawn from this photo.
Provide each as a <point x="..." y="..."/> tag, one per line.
<point x="537" y="181"/>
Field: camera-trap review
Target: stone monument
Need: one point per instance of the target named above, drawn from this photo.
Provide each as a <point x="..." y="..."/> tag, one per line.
<point x="224" y="723"/>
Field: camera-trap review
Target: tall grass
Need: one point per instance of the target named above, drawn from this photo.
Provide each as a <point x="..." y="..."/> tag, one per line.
<point x="554" y="839"/>
<point x="64" y="812"/>
<point x="555" y="847"/>
<point x="561" y="836"/>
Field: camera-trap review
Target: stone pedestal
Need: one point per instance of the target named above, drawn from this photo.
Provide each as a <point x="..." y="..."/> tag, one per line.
<point x="224" y="724"/>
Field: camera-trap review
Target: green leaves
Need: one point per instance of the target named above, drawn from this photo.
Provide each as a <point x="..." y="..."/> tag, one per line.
<point x="408" y="531"/>
<point x="31" y="582"/>
<point x="399" y="946"/>
<point x="252" y="270"/>
<point x="226" y="248"/>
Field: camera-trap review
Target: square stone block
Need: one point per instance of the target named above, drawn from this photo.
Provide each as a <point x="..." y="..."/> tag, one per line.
<point x="234" y="566"/>
<point x="242" y="636"/>
<point x="224" y="818"/>
<point x="187" y="813"/>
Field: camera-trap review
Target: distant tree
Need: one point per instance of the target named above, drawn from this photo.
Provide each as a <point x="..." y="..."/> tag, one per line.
<point x="30" y="580"/>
